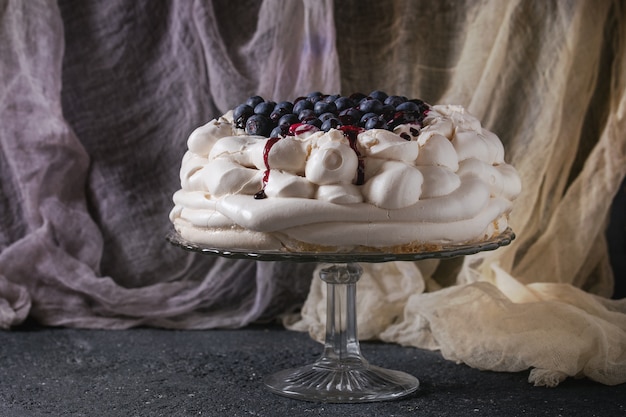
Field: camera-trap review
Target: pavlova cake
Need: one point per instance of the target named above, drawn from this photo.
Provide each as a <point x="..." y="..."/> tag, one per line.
<point x="335" y="173"/>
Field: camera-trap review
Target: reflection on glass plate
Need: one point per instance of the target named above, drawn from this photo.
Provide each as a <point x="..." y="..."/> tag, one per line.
<point x="502" y="239"/>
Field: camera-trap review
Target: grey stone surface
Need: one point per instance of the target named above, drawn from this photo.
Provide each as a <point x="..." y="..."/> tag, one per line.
<point x="149" y="372"/>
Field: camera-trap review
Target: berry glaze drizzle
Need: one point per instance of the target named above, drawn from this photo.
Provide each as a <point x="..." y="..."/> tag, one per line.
<point x="266" y="175"/>
<point x="351" y="133"/>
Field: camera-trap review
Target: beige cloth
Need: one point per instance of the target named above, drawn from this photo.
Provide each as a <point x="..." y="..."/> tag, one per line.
<point x="550" y="79"/>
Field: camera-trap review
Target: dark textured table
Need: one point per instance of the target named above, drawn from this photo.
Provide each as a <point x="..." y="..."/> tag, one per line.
<point x="148" y="372"/>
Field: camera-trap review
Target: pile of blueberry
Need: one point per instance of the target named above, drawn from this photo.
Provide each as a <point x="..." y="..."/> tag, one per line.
<point x="374" y="111"/>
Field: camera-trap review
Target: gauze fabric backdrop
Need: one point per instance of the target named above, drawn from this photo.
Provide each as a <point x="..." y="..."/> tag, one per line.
<point x="97" y="100"/>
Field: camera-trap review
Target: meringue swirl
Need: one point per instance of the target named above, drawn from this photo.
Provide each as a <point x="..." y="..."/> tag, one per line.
<point x="442" y="182"/>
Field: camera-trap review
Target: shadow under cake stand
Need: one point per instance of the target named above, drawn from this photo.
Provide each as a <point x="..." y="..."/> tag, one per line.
<point x="342" y="374"/>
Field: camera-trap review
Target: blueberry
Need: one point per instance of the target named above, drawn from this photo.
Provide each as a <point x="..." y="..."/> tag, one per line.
<point x="366" y="117"/>
<point x="406" y="113"/>
<point x="266" y="108"/>
<point x="306" y="114"/>
<point x="302" y="105"/>
<point x="278" y="113"/>
<point x="395" y="100"/>
<point x="258" y="124"/>
<point x="388" y="111"/>
<point x="343" y="103"/>
<point x="376" y="122"/>
<point x="241" y="114"/>
<point x="331" y="97"/>
<point x="288" y="105"/>
<point x="357" y="97"/>
<point x="371" y="105"/>
<point x="407" y="106"/>
<point x="288" y="120"/>
<point x="378" y="110"/>
<point x="314" y="121"/>
<point x="279" y="132"/>
<point x="350" y="116"/>
<point x="378" y="95"/>
<point x="325" y="116"/>
<point x="297" y="99"/>
<point x="242" y="110"/>
<point x="254" y="100"/>
<point x="397" y="119"/>
<point x="330" y="124"/>
<point x="314" y="97"/>
<point x="324" y="107"/>
<point x="421" y="106"/>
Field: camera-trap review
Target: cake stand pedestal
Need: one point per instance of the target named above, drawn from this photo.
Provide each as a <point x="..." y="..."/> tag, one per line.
<point x="342" y="374"/>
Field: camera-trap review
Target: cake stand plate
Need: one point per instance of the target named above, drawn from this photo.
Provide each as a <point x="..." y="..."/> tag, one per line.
<point x="342" y="374"/>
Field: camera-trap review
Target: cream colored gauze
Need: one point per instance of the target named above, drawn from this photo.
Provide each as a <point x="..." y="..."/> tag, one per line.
<point x="532" y="76"/>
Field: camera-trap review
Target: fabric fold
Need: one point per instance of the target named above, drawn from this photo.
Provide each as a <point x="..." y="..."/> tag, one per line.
<point x="95" y="113"/>
<point x="556" y="330"/>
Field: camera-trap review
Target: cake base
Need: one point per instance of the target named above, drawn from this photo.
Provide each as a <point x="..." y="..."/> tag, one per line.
<point x="249" y="240"/>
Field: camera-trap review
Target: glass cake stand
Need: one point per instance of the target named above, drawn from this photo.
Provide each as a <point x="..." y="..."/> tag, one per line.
<point x="342" y="374"/>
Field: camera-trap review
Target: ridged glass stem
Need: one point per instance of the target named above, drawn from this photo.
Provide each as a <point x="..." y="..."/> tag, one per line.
<point x="341" y="344"/>
<point x="341" y="374"/>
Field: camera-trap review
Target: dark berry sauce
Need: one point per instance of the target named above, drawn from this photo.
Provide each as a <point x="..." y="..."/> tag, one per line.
<point x="351" y="133"/>
<point x="299" y="128"/>
<point x="260" y="195"/>
<point x="266" y="175"/>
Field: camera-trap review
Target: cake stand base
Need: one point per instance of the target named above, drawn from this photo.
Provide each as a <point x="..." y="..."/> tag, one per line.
<point x="341" y="383"/>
